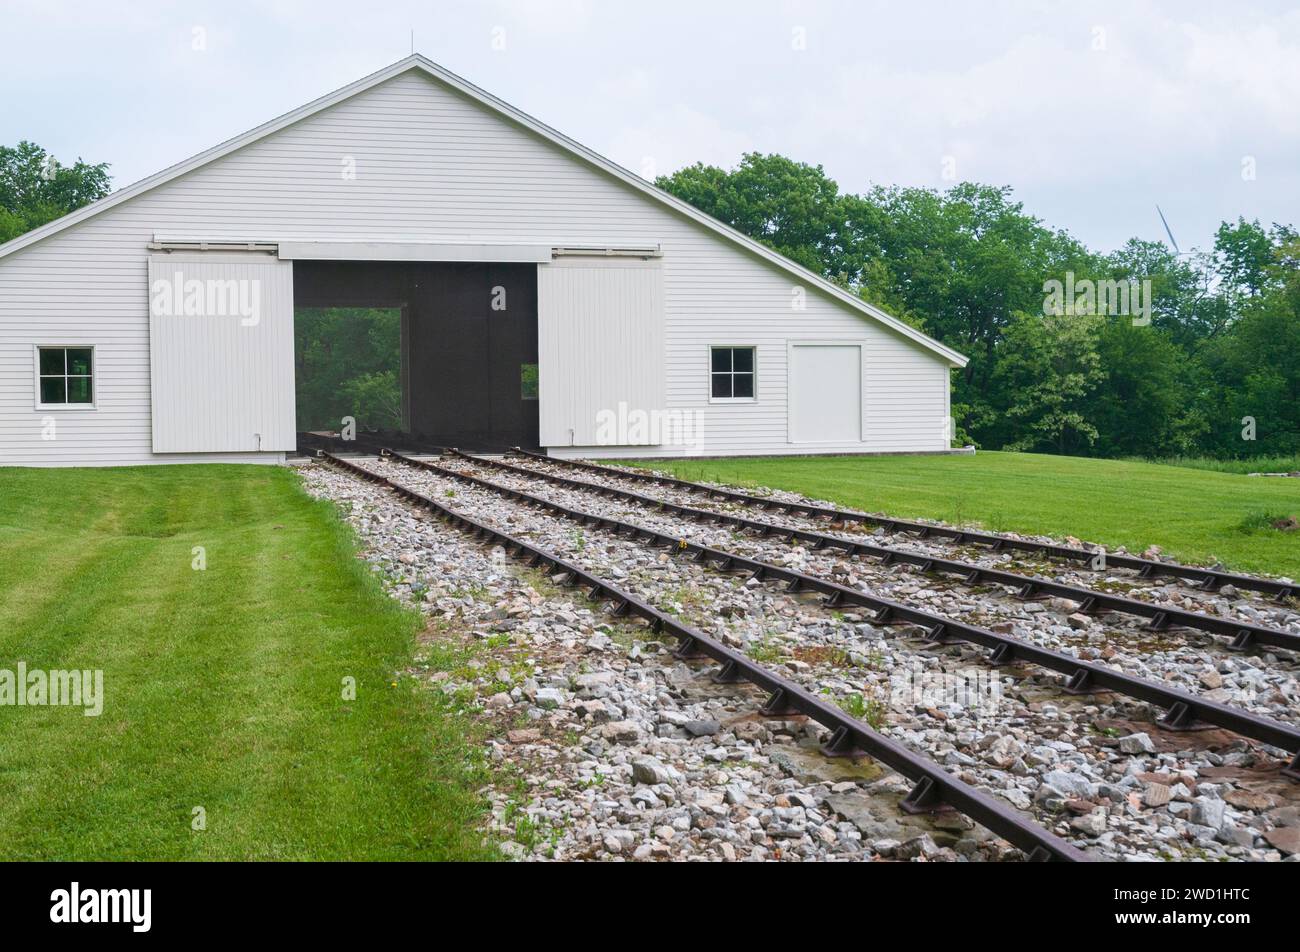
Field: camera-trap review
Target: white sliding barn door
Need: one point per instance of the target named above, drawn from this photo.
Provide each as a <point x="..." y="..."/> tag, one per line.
<point x="600" y="326"/>
<point x="221" y="353"/>
<point x="825" y="393"/>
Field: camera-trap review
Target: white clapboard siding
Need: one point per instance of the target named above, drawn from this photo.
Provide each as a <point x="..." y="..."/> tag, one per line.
<point x="222" y="381"/>
<point x="432" y="165"/>
<point x="600" y="325"/>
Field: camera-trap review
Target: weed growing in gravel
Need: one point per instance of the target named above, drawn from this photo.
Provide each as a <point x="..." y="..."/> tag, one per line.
<point x="692" y="597"/>
<point x="622" y="637"/>
<point x="528" y="832"/>
<point x="475" y="592"/>
<point x="864" y="708"/>
<point x="828" y="655"/>
<point x="764" y="650"/>
<point x="547" y="590"/>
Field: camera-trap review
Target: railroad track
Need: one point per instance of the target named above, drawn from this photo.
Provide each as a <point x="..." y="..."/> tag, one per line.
<point x="1243" y="635"/>
<point x="1205" y="579"/>
<point x="934" y="787"/>
<point x="1183" y="711"/>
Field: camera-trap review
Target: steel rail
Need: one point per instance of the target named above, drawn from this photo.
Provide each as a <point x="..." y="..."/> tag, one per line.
<point x="1243" y="634"/>
<point x="372" y="444"/>
<point x="934" y="786"/>
<point x="1206" y="579"/>
<point x="1183" y="711"/>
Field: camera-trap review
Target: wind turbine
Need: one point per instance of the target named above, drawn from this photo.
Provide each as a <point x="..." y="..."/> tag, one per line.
<point x="1168" y="232"/>
<point x="1178" y="252"/>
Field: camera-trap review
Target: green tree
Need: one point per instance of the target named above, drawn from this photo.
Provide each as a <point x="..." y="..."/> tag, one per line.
<point x="965" y="262"/>
<point x="1256" y="374"/>
<point x="376" y="399"/>
<point x="1050" y="366"/>
<point x="36" y="189"/>
<point x="791" y="207"/>
<point x="1244" y="255"/>
<point x="1144" y="404"/>
<point x="346" y="364"/>
<point x="1184" y="302"/>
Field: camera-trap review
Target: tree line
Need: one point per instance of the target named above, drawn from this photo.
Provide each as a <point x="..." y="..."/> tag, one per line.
<point x="1208" y="365"/>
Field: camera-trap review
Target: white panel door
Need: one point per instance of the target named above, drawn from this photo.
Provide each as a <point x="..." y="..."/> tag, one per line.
<point x="825" y="393"/>
<point x="600" y="327"/>
<point x="221" y="353"/>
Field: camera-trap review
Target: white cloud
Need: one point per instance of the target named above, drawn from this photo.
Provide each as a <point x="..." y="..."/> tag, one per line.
<point x="1011" y="89"/>
<point x="667" y="139"/>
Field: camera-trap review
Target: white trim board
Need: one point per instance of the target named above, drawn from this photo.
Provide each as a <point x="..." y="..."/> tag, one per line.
<point x="411" y="251"/>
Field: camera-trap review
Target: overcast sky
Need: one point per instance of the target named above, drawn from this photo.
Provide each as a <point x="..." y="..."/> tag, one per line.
<point x="1092" y="112"/>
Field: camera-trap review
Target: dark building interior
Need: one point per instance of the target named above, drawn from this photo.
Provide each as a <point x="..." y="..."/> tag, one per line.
<point x="469" y="343"/>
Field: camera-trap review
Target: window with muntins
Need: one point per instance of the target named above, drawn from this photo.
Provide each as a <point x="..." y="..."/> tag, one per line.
<point x="66" y="376"/>
<point x="732" y="373"/>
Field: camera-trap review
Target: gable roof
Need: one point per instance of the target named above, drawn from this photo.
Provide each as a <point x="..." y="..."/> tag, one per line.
<point x="505" y="110"/>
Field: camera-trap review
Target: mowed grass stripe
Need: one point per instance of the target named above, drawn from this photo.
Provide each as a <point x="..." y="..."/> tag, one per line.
<point x="223" y="687"/>
<point x="49" y="753"/>
<point x="159" y="718"/>
<point x="38" y="571"/>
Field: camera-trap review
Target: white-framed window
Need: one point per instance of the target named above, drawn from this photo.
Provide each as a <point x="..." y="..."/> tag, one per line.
<point x="65" y="377"/>
<point x="732" y="373"/>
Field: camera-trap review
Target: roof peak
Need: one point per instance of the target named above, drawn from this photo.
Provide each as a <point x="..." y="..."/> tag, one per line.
<point x="510" y="113"/>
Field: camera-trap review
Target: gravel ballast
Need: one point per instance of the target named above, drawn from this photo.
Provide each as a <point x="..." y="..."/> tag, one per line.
<point x="621" y="751"/>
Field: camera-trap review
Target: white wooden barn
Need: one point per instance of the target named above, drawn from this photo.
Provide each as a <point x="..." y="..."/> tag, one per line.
<point x="548" y="298"/>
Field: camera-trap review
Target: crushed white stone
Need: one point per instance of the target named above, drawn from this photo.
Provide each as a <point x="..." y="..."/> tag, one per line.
<point x="626" y="753"/>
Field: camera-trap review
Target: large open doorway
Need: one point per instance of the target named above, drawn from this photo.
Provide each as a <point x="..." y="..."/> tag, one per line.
<point x="444" y="353"/>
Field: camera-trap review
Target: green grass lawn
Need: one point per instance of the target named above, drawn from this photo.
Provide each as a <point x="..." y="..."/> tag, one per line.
<point x="1258" y="464"/>
<point x="223" y="688"/>
<point x="1194" y="515"/>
